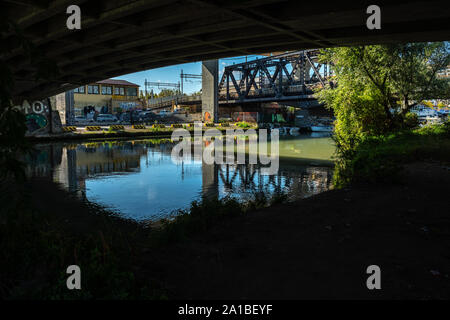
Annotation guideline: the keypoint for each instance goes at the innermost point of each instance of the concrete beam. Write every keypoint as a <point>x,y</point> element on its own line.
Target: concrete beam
<point>210,90</point>
<point>122,36</point>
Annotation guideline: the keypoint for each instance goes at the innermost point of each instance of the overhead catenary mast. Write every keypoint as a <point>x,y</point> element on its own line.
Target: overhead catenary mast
<point>161,85</point>
<point>188,76</point>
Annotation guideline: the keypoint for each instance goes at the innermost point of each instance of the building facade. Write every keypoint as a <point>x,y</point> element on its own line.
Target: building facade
<point>444,73</point>
<point>106,96</point>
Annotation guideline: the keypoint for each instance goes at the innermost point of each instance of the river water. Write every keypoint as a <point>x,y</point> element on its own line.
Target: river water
<point>139,180</point>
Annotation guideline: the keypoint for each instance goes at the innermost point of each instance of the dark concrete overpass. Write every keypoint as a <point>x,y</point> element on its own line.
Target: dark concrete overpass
<point>124,36</point>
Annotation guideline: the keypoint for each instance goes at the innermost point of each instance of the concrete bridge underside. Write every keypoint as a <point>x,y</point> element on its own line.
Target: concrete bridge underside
<point>124,36</point>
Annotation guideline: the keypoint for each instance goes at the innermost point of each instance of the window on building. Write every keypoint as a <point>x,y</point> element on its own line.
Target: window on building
<point>119,91</point>
<point>106,90</point>
<point>131,91</point>
<point>93,89</point>
<point>79,90</point>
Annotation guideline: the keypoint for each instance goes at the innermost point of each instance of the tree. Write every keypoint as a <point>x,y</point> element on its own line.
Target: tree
<point>12,121</point>
<point>377,86</point>
<point>168,93</point>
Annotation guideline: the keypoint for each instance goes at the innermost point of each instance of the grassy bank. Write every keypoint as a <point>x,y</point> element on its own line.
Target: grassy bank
<point>40,238</point>
<point>37,245</point>
<point>126,134</point>
<point>380,158</point>
<point>43,232</point>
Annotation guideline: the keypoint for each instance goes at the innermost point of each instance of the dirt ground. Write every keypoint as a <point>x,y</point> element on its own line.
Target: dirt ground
<point>316,248</point>
<point>319,248</point>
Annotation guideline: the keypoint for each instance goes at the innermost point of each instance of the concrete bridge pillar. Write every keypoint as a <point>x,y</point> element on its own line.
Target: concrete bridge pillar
<point>210,181</point>
<point>210,90</point>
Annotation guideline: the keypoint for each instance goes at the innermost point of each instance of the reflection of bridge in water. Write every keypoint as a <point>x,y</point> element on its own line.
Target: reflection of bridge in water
<point>247,179</point>
<point>73,165</point>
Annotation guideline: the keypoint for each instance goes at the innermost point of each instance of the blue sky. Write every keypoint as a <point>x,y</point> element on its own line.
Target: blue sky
<point>172,74</point>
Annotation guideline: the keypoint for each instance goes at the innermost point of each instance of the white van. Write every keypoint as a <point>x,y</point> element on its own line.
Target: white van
<point>106,118</point>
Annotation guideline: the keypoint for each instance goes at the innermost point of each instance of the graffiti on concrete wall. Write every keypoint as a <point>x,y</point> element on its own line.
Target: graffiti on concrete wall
<point>36,115</point>
<point>128,105</point>
<point>36,122</point>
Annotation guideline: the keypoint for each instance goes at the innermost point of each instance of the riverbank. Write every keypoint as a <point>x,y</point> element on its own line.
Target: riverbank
<point>102,135</point>
<point>127,133</point>
<point>318,247</point>
<point>315,248</point>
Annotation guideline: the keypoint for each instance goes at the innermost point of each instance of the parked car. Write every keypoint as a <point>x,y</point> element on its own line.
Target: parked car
<point>126,116</point>
<point>164,113</point>
<point>80,119</point>
<point>105,117</point>
<point>147,116</point>
<point>424,111</point>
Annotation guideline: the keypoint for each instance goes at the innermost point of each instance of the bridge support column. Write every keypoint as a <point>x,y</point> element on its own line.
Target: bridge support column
<point>210,181</point>
<point>210,90</point>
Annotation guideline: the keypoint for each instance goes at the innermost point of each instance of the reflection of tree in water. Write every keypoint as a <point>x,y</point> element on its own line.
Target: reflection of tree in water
<point>83,162</point>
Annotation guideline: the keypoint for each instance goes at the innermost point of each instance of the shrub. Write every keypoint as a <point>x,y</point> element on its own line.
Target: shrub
<point>380,158</point>
<point>411,120</point>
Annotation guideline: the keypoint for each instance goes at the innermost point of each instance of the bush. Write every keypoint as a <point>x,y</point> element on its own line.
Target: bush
<point>201,216</point>
<point>380,158</point>
<point>411,120</point>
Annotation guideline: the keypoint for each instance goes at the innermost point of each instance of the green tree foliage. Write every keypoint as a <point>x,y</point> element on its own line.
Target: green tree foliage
<point>168,93</point>
<point>374,87</point>
<point>12,121</point>
<point>377,86</point>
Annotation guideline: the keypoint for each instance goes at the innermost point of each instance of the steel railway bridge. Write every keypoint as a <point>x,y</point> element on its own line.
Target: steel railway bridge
<point>285,77</point>
<point>288,77</point>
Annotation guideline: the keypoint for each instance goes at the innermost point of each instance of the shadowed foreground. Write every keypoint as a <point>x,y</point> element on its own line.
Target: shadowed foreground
<point>320,247</point>
<point>311,249</point>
